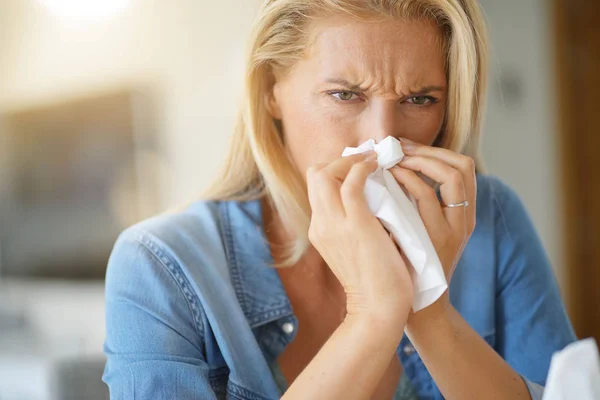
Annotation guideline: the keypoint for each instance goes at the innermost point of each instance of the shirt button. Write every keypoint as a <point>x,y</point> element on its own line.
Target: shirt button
<point>408,349</point>
<point>288,327</point>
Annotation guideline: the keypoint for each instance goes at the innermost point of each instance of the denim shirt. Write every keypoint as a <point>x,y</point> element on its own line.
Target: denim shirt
<point>195,310</point>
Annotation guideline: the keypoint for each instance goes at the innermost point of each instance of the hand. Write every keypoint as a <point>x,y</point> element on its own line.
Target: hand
<point>448,228</point>
<point>353,243</point>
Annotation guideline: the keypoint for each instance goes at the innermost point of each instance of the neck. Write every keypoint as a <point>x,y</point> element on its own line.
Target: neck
<point>311,264</point>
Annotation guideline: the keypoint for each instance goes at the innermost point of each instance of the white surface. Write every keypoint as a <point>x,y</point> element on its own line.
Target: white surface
<point>400,217</point>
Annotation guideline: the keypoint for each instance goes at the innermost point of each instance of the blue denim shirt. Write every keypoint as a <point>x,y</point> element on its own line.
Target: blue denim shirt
<point>194,309</point>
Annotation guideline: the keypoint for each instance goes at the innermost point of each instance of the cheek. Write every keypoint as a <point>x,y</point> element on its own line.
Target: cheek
<point>423,127</point>
<point>313,134</point>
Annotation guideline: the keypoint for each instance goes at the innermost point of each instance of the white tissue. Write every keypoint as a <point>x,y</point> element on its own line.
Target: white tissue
<point>400,217</point>
<point>574,373</point>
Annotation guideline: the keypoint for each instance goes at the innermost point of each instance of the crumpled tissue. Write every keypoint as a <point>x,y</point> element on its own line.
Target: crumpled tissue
<point>574,373</point>
<point>399,215</point>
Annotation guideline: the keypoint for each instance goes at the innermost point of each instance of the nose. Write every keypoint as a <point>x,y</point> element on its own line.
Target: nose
<point>381,120</point>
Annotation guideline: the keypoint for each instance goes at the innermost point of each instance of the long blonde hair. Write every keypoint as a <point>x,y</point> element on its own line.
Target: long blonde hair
<point>257,164</point>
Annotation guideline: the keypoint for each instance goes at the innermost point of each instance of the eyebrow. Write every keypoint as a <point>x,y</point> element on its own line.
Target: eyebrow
<point>356,88</point>
<point>348,85</point>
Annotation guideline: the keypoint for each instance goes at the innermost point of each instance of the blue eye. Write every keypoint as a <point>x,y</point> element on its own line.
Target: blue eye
<point>422,100</point>
<point>344,95</point>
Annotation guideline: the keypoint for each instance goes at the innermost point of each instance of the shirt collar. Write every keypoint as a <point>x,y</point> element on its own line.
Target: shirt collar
<point>257,285</point>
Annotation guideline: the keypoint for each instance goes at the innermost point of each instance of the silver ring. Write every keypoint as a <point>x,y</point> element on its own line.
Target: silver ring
<point>463,204</point>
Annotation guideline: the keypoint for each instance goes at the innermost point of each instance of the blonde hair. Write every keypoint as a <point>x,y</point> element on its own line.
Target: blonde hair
<point>258,165</point>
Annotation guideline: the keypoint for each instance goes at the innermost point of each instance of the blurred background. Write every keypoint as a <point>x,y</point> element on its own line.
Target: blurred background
<point>115,110</point>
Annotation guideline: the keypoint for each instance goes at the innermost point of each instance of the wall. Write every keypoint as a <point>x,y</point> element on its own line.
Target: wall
<point>156,44</point>
<point>520,142</point>
<point>165,45</point>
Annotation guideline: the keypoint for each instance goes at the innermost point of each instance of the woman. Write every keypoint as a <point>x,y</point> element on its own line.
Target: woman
<point>285,284</point>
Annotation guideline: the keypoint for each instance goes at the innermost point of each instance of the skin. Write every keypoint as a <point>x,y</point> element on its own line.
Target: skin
<point>351,291</point>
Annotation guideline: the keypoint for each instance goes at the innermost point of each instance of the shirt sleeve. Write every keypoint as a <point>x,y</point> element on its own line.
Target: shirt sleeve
<point>536,392</point>
<point>530,317</point>
<point>154,342</point>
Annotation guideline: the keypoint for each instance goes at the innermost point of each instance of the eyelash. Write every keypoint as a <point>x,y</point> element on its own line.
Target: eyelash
<point>432,100</point>
<point>333,93</point>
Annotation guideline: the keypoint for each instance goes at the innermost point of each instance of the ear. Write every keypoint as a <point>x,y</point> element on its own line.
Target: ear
<point>272,101</point>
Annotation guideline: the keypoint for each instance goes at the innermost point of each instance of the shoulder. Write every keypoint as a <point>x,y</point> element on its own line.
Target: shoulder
<point>167,262</point>
<point>192,244</point>
<point>168,252</point>
<point>192,237</point>
<point>493,194</point>
<point>481,259</point>
<point>499,205</point>
<point>195,222</point>
<point>168,236</point>
<point>503,233</point>
<point>520,260</point>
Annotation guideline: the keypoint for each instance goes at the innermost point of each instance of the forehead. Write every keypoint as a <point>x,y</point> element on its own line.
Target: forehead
<point>383,50</point>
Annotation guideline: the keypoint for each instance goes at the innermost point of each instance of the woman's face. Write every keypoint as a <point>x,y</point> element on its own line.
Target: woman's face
<point>361,80</point>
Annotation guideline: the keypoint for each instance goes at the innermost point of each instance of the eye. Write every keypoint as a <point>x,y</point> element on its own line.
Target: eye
<point>344,95</point>
<point>422,100</point>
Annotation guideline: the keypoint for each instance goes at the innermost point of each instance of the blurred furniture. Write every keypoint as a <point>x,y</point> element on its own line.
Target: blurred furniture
<point>73,174</point>
<point>43,376</point>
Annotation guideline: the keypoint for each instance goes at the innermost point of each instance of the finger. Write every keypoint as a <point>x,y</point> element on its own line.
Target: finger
<point>429,206</point>
<point>323,193</point>
<point>353,188</point>
<point>324,181</point>
<point>339,168</point>
<point>463,163</point>
<point>457,160</point>
<point>451,186</point>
